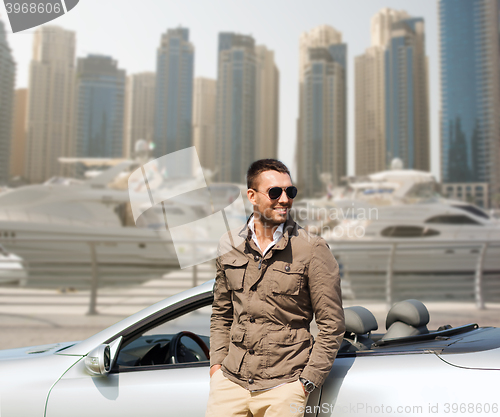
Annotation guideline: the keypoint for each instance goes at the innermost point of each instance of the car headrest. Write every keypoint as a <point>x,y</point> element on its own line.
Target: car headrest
<point>359,320</point>
<point>412,312</point>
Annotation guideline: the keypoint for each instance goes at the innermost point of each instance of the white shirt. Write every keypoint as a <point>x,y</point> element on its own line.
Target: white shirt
<point>276,235</point>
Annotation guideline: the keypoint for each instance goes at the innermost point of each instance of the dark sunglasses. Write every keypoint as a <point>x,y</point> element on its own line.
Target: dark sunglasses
<point>275,192</point>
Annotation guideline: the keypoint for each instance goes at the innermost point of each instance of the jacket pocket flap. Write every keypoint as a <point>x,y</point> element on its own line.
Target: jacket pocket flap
<point>236,262</point>
<point>234,278</point>
<point>289,336</point>
<point>289,268</point>
<point>237,335</point>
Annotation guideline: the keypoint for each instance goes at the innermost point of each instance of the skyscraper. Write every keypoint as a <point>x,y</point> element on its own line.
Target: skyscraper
<point>18,144</point>
<point>174,92</point>
<point>322,126</point>
<point>236,107</point>
<point>205,95</point>
<point>7,82</point>
<point>139,110</point>
<point>100,110</point>
<point>470,93</point>
<point>51,102</point>
<point>392,108</point>
<point>267,102</point>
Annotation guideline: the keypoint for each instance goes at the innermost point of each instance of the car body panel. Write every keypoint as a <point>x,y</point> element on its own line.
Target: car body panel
<point>171,391</point>
<point>488,359</point>
<point>368,386</point>
<point>34,351</point>
<point>25,382</point>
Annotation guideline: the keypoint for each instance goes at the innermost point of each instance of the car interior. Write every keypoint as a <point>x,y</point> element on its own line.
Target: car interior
<point>185,340</point>
<point>406,322</point>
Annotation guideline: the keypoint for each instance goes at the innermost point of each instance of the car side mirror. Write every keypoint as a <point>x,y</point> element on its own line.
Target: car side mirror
<point>98,361</point>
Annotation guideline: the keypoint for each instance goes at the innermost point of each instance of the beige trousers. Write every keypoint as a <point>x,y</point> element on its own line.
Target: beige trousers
<point>228,399</point>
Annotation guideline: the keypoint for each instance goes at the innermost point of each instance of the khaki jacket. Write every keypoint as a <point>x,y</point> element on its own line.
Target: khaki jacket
<point>262,309</point>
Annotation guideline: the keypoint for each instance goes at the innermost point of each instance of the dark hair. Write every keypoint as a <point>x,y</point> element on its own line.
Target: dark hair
<point>262,165</point>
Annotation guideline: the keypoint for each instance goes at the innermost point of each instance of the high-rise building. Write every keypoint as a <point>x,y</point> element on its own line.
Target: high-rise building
<point>267,102</point>
<point>392,104</point>
<point>205,95</point>
<point>370,153</point>
<point>51,102</point>
<point>139,110</point>
<point>470,93</point>
<point>18,144</point>
<point>7,83</point>
<point>322,126</point>
<point>174,93</point>
<point>236,107</point>
<point>100,109</point>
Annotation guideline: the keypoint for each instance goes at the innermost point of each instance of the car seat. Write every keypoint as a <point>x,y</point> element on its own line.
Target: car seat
<point>406,318</point>
<point>359,323</point>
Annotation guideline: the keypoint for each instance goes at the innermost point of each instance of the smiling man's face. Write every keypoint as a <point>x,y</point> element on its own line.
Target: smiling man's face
<point>270,212</point>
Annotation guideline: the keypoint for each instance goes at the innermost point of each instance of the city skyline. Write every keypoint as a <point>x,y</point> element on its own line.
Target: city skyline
<point>173,122</point>
<point>135,55</point>
<point>51,103</point>
<point>235,126</point>
<point>470,67</point>
<point>321,136</point>
<point>100,90</point>
<point>7,102</point>
<point>392,111</point>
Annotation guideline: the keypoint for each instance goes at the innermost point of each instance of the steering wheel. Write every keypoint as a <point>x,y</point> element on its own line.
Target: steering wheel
<point>178,353</point>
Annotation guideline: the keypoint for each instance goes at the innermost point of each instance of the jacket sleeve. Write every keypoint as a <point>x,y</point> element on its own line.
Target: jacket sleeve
<point>222,317</point>
<point>326,299</point>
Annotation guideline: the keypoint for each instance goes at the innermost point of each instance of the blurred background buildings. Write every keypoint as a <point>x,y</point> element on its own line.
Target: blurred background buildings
<point>50,116</point>
<point>100,107</point>
<point>174,92</point>
<point>322,125</point>
<point>7,100</point>
<point>204,104</point>
<point>470,96</point>
<point>392,108</point>
<point>88,107</point>
<point>139,110</point>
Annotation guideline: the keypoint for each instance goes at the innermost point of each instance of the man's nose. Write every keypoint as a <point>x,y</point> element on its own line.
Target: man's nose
<point>284,199</point>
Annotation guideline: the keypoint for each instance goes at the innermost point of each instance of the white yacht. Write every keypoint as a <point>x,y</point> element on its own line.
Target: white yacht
<point>433,235</point>
<point>11,268</point>
<point>51,223</point>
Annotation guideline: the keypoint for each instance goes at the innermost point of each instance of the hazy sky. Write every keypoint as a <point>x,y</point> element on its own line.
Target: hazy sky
<point>130,30</point>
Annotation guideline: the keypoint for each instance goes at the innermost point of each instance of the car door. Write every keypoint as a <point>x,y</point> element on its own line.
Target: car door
<point>176,391</point>
<point>139,384</point>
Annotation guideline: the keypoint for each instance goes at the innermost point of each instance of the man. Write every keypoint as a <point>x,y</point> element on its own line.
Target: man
<point>267,289</point>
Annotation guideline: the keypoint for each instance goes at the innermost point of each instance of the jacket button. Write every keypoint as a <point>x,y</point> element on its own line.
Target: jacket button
<point>256,258</point>
<point>287,268</point>
<point>251,351</point>
<point>252,320</point>
<point>250,381</point>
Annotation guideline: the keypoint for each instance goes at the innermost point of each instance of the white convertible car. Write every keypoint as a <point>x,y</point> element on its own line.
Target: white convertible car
<point>155,363</point>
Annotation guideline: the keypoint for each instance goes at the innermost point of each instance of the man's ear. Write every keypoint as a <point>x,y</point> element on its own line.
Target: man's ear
<point>251,194</point>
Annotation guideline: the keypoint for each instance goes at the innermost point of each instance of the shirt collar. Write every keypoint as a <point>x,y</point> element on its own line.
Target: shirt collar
<point>277,233</point>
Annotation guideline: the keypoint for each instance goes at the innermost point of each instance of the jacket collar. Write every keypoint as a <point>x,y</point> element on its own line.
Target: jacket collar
<point>289,229</point>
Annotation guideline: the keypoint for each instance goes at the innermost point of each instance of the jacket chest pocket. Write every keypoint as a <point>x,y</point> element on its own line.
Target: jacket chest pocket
<point>235,273</point>
<point>287,279</point>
